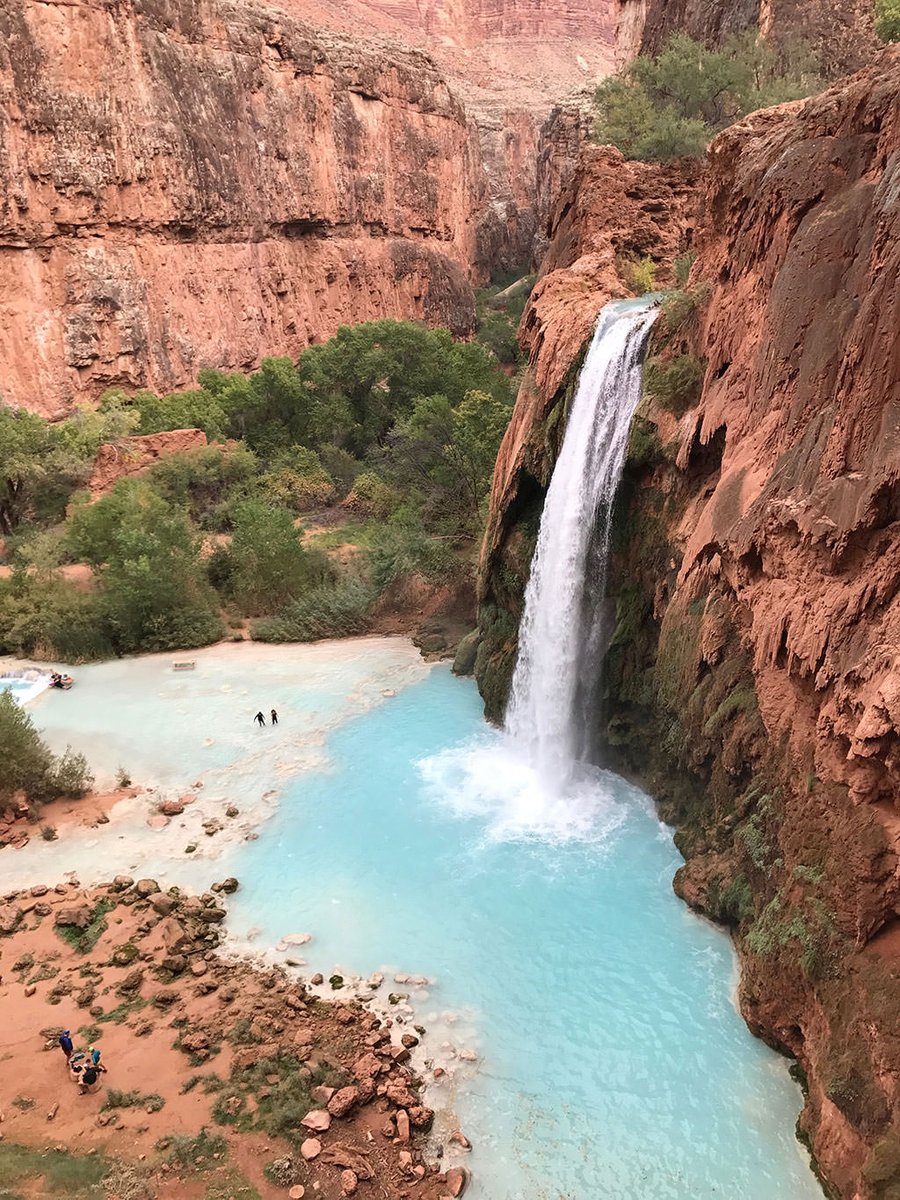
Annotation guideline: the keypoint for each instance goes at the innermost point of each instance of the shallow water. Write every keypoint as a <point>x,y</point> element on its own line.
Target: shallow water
<point>611,1061</point>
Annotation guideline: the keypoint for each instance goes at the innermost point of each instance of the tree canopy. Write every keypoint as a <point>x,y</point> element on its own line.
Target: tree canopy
<point>671,104</point>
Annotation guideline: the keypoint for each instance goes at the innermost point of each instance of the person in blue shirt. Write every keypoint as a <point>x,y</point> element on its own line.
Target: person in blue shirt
<point>65,1042</point>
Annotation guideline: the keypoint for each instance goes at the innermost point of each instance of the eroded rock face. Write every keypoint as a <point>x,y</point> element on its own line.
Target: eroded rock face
<point>200,185</point>
<point>754,675</point>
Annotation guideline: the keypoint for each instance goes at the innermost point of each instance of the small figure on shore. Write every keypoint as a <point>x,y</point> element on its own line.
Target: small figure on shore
<point>260,719</point>
<point>65,1043</point>
<point>274,717</point>
<point>94,1055</point>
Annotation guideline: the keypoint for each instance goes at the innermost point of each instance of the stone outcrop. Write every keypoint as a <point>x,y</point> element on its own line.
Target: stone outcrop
<point>611,214</point>
<point>753,675</point>
<point>194,185</point>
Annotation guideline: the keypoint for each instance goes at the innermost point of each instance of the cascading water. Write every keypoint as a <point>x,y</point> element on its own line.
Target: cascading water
<point>560,639</point>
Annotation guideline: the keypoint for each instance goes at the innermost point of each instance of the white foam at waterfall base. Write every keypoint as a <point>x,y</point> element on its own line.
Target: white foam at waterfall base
<point>561,636</point>
<point>490,782</point>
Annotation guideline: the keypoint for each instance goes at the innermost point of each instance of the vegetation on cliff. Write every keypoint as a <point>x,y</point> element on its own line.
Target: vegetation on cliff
<point>671,104</point>
<point>389,425</point>
<point>887,20</point>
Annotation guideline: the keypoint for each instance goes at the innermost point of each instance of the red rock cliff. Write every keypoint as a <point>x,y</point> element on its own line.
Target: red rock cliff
<point>199,182</point>
<point>754,673</point>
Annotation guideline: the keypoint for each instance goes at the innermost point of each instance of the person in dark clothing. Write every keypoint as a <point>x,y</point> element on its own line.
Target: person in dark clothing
<point>260,719</point>
<point>65,1042</point>
<point>274,717</point>
<point>90,1075</point>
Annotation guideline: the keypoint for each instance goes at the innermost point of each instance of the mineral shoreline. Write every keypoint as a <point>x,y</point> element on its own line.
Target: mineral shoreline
<point>311,1096</point>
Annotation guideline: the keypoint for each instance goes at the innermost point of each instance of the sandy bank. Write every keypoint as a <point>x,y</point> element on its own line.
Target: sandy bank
<point>193,1040</point>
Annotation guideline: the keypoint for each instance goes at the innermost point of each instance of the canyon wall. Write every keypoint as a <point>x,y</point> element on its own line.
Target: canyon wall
<point>753,674</point>
<point>191,183</point>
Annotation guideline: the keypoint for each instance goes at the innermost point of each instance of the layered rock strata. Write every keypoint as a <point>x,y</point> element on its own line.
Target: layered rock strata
<point>189,185</point>
<point>753,674</point>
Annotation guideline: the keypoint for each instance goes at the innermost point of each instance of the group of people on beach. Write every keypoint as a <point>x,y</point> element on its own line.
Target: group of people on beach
<point>60,681</point>
<point>260,718</point>
<point>84,1066</point>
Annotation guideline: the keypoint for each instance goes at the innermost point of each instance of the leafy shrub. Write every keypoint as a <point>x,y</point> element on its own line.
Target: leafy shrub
<point>675,384</point>
<point>670,105</point>
<point>679,306</point>
<point>887,20</point>
<point>27,764</point>
<point>150,1102</point>
<point>332,610</point>
<point>298,480</point>
<point>682,268</point>
<point>640,275</point>
<point>195,1153</point>
<point>268,567</point>
<point>371,496</point>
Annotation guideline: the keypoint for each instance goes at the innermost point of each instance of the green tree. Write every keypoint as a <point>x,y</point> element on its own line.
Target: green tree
<point>447,455</point>
<point>28,765</point>
<point>670,105</point>
<point>367,376</point>
<point>207,482</point>
<point>269,566</point>
<point>153,592</point>
<point>887,20</point>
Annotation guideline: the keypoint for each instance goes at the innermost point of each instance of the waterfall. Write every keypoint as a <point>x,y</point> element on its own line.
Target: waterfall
<point>560,640</point>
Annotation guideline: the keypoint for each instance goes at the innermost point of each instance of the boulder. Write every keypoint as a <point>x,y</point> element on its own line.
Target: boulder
<point>322,1094</point>
<point>402,1126</point>
<point>172,807</point>
<point>146,888</point>
<point>297,1192</point>
<point>464,659</point>
<point>343,1101</point>
<point>77,916</point>
<point>317,1120</point>
<point>421,1116</point>
<point>367,1066</point>
<point>229,885</point>
<point>457,1178</point>
<point>458,1138</point>
<point>10,919</point>
<point>311,1148</point>
<point>162,904</point>
<point>122,883</point>
<point>349,1182</point>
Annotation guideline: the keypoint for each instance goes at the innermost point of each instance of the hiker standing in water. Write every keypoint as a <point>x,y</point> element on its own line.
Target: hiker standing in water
<point>274,717</point>
<point>260,719</point>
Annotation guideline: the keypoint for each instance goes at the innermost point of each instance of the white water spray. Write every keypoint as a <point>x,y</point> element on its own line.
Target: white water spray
<point>560,639</point>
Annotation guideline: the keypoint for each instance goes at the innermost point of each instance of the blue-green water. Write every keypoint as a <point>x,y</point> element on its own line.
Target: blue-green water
<point>610,1059</point>
<point>613,1061</point>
